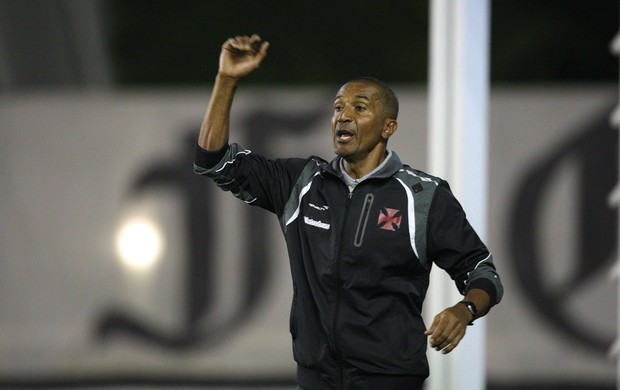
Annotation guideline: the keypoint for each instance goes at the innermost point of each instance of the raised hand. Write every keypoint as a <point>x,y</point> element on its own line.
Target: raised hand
<point>241,55</point>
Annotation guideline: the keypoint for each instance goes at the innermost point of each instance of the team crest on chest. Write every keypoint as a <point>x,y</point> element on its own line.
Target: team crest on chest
<point>389,219</point>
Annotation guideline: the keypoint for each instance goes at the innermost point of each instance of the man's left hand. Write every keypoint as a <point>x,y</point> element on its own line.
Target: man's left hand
<point>448,328</point>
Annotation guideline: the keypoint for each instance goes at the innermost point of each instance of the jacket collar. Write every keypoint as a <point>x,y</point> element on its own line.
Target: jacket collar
<point>392,166</point>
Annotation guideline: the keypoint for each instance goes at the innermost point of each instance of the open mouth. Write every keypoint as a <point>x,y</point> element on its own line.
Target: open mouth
<point>343,135</point>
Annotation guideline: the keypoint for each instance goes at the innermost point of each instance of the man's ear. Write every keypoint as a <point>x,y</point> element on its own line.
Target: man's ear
<point>389,128</point>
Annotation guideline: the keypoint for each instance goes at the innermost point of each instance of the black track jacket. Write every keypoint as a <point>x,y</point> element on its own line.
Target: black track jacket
<point>360,260</point>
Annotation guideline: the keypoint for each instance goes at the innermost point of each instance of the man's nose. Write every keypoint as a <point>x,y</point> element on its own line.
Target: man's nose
<point>344,115</point>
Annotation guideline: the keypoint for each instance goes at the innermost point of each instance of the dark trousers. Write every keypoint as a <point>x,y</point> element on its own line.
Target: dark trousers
<point>353,378</point>
<point>420,387</point>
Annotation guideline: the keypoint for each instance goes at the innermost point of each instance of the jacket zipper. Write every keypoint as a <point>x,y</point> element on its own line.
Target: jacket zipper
<point>363,221</point>
<point>338,289</point>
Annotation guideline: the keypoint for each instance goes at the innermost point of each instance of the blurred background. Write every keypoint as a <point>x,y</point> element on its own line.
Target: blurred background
<point>121,269</point>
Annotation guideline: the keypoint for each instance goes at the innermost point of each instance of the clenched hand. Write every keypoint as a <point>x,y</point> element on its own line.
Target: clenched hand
<point>241,55</point>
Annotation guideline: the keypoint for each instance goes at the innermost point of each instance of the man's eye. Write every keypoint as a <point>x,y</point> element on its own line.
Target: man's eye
<point>360,108</point>
<point>337,108</point>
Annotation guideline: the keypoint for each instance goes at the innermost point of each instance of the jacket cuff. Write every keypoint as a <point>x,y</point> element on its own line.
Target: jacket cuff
<point>487,286</point>
<point>208,159</point>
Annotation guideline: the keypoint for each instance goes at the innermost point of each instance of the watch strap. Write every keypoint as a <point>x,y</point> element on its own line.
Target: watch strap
<point>472,309</point>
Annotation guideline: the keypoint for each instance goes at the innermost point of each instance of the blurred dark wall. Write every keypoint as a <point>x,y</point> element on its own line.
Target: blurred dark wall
<point>162,42</point>
<point>325,41</point>
<point>312,42</point>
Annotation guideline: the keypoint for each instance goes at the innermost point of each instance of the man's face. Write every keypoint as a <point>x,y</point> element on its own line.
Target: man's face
<point>358,122</point>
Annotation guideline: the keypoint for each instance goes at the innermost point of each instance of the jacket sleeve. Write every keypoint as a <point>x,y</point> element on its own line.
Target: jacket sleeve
<point>249,176</point>
<point>455,247</point>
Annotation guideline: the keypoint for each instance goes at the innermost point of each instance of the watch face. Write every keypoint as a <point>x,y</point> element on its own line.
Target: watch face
<point>470,305</point>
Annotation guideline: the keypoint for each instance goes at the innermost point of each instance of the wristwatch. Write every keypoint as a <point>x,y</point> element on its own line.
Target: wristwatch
<point>472,309</point>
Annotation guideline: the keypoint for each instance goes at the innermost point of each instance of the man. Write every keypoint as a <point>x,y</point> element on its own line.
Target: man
<point>362,232</point>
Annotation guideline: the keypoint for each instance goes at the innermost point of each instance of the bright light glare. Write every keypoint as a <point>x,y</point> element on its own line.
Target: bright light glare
<point>139,244</point>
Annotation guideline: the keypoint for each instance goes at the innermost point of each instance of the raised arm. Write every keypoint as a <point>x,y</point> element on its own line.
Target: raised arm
<point>239,57</point>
